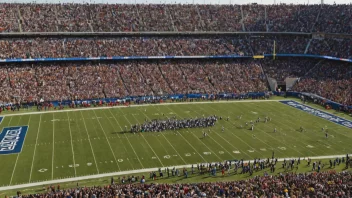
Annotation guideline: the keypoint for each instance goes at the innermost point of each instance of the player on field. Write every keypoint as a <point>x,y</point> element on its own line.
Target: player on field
<point>275,130</point>
<point>223,128</point>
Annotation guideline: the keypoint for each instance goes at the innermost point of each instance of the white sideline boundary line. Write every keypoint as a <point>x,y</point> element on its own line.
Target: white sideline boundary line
<point>137,105</point>
<point>74,179</point>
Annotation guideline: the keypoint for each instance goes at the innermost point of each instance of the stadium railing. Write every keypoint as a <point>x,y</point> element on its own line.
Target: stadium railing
<point>167,57</point>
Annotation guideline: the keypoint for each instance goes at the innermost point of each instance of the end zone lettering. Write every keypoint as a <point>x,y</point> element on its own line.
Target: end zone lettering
<point>12,139</point>
<point>1,118</point>
<point>321,114</point>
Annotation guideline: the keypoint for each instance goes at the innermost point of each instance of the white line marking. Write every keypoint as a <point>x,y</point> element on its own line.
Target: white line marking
<point>215,140</point>
<point>43,183</point>
<point>18,155</point>
<point>90,143</point>
<point>108,141</point>
<point>295,137</point>
<point>13,172</point>
<point>162,104</point>
<point>147,141</point>
<point>118,136</point>
<point>258,128</point>
<point>246,143</point>
<point>202,141</point>
<point>73,153</point>
<point>52,160</point>
<point>127,139</point>
<point>168,142</point>
<point>35,148</point>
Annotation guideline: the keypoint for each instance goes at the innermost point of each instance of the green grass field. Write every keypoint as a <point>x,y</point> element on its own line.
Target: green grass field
<point>77,143</point>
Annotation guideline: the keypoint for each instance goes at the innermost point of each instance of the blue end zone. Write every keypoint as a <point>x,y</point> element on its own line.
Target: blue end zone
<point>12,139</point>
<point>321,114</point>
<point>1,118</point>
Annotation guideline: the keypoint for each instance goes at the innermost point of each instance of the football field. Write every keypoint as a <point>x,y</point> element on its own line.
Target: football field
<point>87,142</point>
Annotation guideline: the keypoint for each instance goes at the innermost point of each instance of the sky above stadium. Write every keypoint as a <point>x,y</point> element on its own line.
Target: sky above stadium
<point>184,1</point>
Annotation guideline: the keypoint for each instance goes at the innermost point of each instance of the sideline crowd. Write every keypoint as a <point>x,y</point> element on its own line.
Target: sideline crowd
<point>318,183</point>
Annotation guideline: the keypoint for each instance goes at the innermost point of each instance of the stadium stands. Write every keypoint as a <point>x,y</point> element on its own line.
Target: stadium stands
<point>67,81</point>
<point>284,68</point>
<point>118,79</point>
<point>60,81</point>
<point>331,80</point>
<point>136,18</point>
<point>171,46</point>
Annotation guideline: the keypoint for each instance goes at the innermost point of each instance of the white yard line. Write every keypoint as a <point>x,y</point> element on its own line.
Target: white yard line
<point>230,122</point>
<point>18,155</point>
<point>232,144</point>
<point>197,137</point>
<point>73,153</point>
<point>126,138</point>
<point>142,105</point>
<point>35,148</point>
<point>147,142</point>
<point>75,179</point>
<point>167,141</point>
<point>118,137</point>
<point>191,145</point>
<point>90,143</point>
<point>112,151</point>
<point>293,129</point>
<point>52,158</point>
<point>14,168</point>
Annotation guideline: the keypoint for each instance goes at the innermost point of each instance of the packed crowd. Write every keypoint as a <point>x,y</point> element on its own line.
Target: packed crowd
<point>69,81</point>
<point>174,124</point>
<point>283,68</point>
<point>329,79</point>
<point>322,184</point>
<point>133,46</point>
<point>90,80</point>
<point>341,48</point>
<point>171,46</point>
<point>174,17</point>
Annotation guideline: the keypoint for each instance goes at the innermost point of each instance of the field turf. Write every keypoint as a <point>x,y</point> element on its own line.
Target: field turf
<point>76,143</point>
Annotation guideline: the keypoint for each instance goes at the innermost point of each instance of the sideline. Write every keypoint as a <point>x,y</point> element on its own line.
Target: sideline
<point>136,105</point>
<point>74,179</point>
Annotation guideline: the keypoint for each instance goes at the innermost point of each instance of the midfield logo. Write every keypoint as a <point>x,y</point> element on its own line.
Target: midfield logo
<point>12,139</point>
